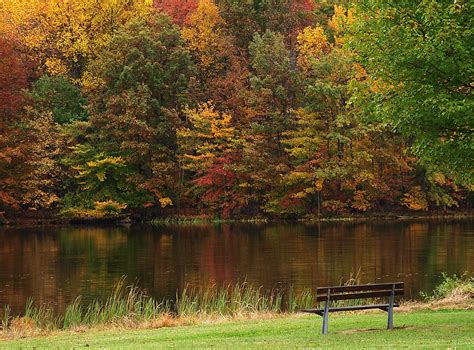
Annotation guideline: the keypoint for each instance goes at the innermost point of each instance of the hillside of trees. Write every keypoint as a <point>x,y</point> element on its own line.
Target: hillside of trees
<point>234,108</point>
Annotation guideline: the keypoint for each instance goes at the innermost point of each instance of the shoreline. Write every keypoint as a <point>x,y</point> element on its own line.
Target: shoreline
<point>201,219</point>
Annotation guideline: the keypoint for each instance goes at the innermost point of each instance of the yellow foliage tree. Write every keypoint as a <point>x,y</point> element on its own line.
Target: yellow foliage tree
<point>415,199</point>
<point>210,134</point>
<point>312,44</point>
<point>340,22</point>
<point>205,37</point>
<point>64,33</point>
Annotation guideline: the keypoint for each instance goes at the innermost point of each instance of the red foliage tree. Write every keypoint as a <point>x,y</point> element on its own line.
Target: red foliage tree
<point>302,6</point>
<point>14,73</point>
<point>178,10</point>
<point>220,184</point>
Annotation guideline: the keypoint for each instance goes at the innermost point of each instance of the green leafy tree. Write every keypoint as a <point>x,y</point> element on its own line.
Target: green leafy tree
<point>270,97</point>
<point>420,55</point>
<point>60,97</point>
<point>101,183</point>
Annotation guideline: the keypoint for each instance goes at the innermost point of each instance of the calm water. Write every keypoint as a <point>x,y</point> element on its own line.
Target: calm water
<point>56,264</point>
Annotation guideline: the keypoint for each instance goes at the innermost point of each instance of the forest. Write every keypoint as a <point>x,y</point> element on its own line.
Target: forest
<point>235,108</point>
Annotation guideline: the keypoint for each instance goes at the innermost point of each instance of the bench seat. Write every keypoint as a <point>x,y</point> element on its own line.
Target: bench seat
<point>320,312</point>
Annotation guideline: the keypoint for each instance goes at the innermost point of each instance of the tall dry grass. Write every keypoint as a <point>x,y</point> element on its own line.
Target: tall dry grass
<point>130,307</point>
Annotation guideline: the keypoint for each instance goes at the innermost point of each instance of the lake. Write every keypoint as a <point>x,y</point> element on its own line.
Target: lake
<point>56,264</point>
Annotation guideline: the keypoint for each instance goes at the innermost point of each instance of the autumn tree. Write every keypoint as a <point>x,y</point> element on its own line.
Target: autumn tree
<point>234,107</point>
<point>222,68</point>
<point>100,183</point>
<point>29,144</point>
<point>15,71</point>
<point>271,96</point>
<point>43,183</point>
<point>204,35</point>
<point>65,34</point>
<point>312,44</point>
<point>322,141</point>
<point>336,159</point>
<point>249,17</point>
<point>208,136</point>
<point>270,82</point>
<point>140,82</point>
<point>14,141</point>
<point>210,46</point>
<point>208,145</point>
<point>178,10</point>
<point>53,104</point>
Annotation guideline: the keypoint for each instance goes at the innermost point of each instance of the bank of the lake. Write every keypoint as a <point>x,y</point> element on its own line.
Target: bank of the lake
<point>53,217</point>
<point>415,329</point>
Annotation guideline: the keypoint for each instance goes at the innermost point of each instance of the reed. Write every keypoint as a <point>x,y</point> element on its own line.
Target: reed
<point>129,306</point>
<point>43,317</point>
<point>73,315</point>
<point>300,301</point>
<point>124,304</point>
<point>241,298</point>
<point>6,317</point>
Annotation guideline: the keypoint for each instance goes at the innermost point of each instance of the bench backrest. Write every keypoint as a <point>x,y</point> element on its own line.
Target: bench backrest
<point>377,290</point>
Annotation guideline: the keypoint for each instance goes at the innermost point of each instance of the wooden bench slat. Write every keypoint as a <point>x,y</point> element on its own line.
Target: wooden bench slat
<point>360,295</point>
<point>350,308</point>
<point>360,288</point>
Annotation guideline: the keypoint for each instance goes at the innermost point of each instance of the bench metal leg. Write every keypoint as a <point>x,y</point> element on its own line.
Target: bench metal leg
<point>390,318</point>
<point>390,309</point>
<point>326,317</point>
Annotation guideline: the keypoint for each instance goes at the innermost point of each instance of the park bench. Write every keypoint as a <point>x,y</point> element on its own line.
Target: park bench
<point>367,291</point>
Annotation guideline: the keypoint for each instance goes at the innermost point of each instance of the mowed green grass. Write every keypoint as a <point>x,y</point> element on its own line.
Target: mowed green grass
<point>421,329</point>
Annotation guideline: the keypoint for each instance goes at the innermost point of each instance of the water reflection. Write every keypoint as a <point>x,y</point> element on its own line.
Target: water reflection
<point>55,264</point>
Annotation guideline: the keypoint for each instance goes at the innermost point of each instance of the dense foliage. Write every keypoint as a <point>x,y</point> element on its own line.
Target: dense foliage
<point>422,55</point>
<point>227,108</point>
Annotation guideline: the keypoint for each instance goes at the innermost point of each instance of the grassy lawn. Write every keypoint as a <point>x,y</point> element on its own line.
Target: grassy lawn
<point>421,329</point>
